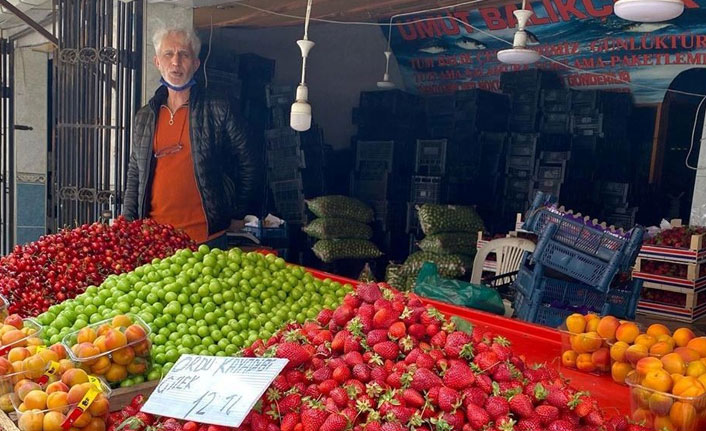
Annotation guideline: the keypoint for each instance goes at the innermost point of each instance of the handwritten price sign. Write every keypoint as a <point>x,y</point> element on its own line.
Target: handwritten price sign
<point>213,390</point>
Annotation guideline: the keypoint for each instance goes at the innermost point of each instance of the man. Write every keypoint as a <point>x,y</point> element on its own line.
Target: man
<point>191,164</point>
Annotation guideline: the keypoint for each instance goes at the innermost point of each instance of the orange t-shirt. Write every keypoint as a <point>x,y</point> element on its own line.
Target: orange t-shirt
<point>175,195</point>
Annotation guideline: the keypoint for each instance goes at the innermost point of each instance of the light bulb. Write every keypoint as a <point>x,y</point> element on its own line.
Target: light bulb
<point>518,56</point>
<point>648,10</point>
<point>300,116</point>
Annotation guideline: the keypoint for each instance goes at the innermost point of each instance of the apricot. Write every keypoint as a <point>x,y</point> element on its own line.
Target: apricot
<point>673,363</point>
<point>76,393</point>
<point>648,364</point>
<point>64,366</point>
<point>698,344</point>
<point>634,353</point>
<point>121,321</point>
<point>34,366</point>
<point>568,358</point>
<point>658,379</point>
<point>135,333</point>
<point>682,336</point>
<point>617,351</point>
<point>96,424</point>
<point>576,323</point>
<point>100,343</point>
<point>688,387</point>
<point>646,340</point>
<point>83,420</point>
<point>36,399</point>
<point>5,366</point>
<point>139,365</point>
<point>99,406</point>
<point>18,354</point>
<point>103,329</point>
<point>627,332</point>
<point>702,380</point>
<point>101,366</point>
<point>657,329</point>
<point>601,359</point>
<point>584,363</point>
<point>664,423</point>
<point>74,376</point>
<point>695,369</point>
<point>14,320</point>
<point>56,387</point>
<point>116,373</point>
<point>643,415</point>
<point>660,349</point>
<point>607,326</point>
<point>24,387</point>
<point>592,322</point>
<point>88,353</point>
<point>687,354</point>
<point>53,421</point>
<point>58,401</point>
<point>143,347</point>
<point>49,355</point>
<point>14,336</point>
<point>619,371</point>
<point>6,403</point>
<point>86,335</point>
<point>683,415</point>
<point>60,350</point>
<point>667,339</point>
<point>660,404</point>
<point>123,356</point>
<point>114,339</point>
<point>31,420</point>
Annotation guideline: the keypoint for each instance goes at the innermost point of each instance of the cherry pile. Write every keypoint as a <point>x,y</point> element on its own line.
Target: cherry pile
<point>383,361</point>
<point>60,266</point>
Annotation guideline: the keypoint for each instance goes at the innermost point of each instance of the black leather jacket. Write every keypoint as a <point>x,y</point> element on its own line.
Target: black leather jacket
<point>227,163</point>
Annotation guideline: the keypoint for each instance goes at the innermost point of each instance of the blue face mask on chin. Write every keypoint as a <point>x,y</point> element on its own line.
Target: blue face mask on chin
<point>186,86</point>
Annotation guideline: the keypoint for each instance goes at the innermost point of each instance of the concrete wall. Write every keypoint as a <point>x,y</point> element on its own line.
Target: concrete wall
<point>345,61</point>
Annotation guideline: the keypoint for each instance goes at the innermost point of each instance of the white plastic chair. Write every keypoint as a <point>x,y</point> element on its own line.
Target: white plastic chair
<point>509,253</point>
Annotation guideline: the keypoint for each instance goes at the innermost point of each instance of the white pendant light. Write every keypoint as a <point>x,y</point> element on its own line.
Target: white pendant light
<point>300,115</point>
<point>519,54</point>
<point>648,10</point>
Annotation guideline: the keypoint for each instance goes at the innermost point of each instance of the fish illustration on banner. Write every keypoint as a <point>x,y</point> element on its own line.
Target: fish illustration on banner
<point>591,48</point>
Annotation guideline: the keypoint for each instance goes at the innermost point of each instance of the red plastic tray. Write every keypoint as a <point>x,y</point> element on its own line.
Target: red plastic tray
<point>538,344</point>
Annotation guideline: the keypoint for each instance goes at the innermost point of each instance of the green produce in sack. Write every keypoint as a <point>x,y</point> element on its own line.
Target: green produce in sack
<point>431,285</point>
<point>394,277</point>
<point>366,275</point>
<point>434,218</point>
<point>337,228</point>
<point>450,265</point>
<point>450,243</point>
<point>330,250</point>
<point>341,207</point>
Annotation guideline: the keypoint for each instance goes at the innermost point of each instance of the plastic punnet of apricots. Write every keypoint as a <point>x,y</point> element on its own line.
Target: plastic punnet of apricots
<point>47,410</point>
<point>680,406</point>
<point>582,348</point>
<point>112,349</point>
<point>18,332</point>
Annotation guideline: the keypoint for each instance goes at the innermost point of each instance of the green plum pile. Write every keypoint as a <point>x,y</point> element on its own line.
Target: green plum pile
<point>209,302</point>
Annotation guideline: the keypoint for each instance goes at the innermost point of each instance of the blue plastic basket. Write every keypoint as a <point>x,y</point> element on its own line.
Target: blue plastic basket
<point>583,236</point>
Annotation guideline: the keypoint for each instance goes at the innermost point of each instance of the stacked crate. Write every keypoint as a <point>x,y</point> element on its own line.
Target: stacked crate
<point>616,208</point>
<point>284,163</point>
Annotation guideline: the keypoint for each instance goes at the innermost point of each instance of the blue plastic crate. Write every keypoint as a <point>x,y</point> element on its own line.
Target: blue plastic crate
<point>581,235</point>
<point>575,264</point>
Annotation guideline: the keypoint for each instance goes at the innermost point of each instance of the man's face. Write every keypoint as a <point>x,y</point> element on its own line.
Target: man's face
<point>176,60</point>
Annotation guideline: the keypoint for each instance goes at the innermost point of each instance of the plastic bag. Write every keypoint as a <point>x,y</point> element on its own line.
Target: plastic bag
<point>450,243</point>
<point>330,250</point>
<point>341,207</point>
<point>431,285</point>
<point>337,228</point>
<point>450,265</point>
<point>434,218</point>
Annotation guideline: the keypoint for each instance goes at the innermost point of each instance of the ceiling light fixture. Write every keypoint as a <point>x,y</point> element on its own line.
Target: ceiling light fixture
<point>648,10</point>
<point>300,116</point>
<point>519,54</point>
<point>386,83</point>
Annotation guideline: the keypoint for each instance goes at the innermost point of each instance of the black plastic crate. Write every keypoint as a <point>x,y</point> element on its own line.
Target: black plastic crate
<point>518,172</point>
<point>431,157</point>
<point>280,138</point>
<point>523,108</point>
<point>554,122</point>
<point>287,190</point>
<point>556,96</point>
<point>279,116</point>
<point>375,152</point>
<point>554,142</point>
<point>279,95</point>
<point>585,99</point>
<point>545,172</point>
<point>553,187</point>
<point>440,105</point>
<point>490,138</point>
<point>520,162</point>
<point>284,173</point>
<point>293,211</point>
<point>388,214</point>
<point>614,189</point>
<point>523,123</point>
<point>412,224</point>
<point>254,66</point>
<point>285,157</point>
<point>395,102</point>
<point>426,189</point>
<point>554,156</point>
<point>372,171</point>
<point>369,189</point>
<point>524,79</point>
<point>517,185</point>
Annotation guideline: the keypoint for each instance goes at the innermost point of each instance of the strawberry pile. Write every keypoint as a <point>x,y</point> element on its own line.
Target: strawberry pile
<point>383,361</point>
<point>130,418</point>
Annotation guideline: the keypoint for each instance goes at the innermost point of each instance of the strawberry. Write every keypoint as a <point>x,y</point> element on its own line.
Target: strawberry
<point>425,361</point>
<point>352,344</point>
<point>361,372</point>
<point>137,401</point>
<point>327,386</point>
<point>397,330</point>
<point>403,414</point>
<point>280,383</point>
<point>433,329</point>
<point>394,380</point>
<point>369,292</point>
<point>312,391</point>
<point>295,353</point>
<point>417,330</point>
<point>557,397</point>
<point>324,316</point>
<point>424,379</point>
<point>595,418</point>
<point>413,398</point>
<point>372,426</point>
<point>192,426</point>
<point>438,339</point>
<point>289,421</point>
<point>459,376</point>
<point>455,419</point>
<point>353,358</point>
<point>531,424</point>
<point>477,416</point>
<point>384,317</point>
<point>339,396</point>
<point>342,315</point>
<point>386,349</point>
<point>474,395</point>
<point>448,398</point>
<point>484,382</point>
<point>458,344</point>
<point>521,405</point>
<point>341,373</point>
<point>313,418</point>
<point>322,374</point>
<point>560,425</point>
<point>376,336</point>
<point>392,426</point>
<point>290,402</point>
<point>486,360</point>
<point>379,375</point>
<point>547,414</point>
<point>351,300</point>
<point>497,407</point>
<point>502,373</point>
<point>617,423</point>
<point>335,422</point>
<point>501,347</point>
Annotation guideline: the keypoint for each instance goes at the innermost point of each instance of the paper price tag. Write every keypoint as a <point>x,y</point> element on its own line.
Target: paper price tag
<point>83,405</point>
<point>213,390</point>
<point>53,368</point>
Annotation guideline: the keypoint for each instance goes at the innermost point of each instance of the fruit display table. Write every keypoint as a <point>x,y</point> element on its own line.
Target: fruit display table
<point>538,344</point>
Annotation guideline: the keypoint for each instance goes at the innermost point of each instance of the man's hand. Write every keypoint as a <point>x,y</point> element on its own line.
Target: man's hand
<point>236,225</point>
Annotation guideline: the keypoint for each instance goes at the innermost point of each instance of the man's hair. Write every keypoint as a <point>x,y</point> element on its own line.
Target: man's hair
<point>191,38</point>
